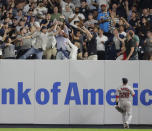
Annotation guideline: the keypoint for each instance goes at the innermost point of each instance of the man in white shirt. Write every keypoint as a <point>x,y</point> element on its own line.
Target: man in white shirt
<point>62,46</point>
<point>101,39</point>
<point>69,3</point>
<point>40,11</point>
<point>76,17</point>
<point>91,21</point>
<point>40,45</point>
<point>73,49</point>
<point>67,12</point>
<point>50,52</point>
<point>77,3</point>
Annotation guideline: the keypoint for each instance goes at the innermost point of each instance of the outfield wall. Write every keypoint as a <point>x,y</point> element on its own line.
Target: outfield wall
<point>58,92</point>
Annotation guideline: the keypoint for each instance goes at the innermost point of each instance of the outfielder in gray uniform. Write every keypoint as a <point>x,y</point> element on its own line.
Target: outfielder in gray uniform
<point>123,102</point>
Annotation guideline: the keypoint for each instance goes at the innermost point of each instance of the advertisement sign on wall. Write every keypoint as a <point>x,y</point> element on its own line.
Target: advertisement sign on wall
<point>72,92</point>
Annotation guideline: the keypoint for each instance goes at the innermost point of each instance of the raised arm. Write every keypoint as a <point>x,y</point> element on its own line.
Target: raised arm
<point>87,32</point>
<point>127,24</point>
<point>127,7</point>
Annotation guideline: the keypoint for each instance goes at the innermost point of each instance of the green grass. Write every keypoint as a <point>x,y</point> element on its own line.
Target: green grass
<point>68,129</point>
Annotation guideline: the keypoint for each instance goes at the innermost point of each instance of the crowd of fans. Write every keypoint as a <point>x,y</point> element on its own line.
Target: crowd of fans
<point>76,29</point>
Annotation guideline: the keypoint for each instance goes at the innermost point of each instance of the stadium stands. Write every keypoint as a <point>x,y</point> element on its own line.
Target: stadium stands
<point>76,29</point>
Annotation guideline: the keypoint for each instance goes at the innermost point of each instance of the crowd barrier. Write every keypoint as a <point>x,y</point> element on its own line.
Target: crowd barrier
<point>72,92</point>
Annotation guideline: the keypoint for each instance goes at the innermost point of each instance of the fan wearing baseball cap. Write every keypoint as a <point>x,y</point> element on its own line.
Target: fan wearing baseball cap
<point>104,18</point>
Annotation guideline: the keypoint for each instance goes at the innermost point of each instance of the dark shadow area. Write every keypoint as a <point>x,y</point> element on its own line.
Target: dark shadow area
<point>73,126</point>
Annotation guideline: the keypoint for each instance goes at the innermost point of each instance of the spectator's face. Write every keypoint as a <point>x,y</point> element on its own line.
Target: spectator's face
<point>121,22</point>
<point>24,30</point>
<point>10,15</point>
<point>78,34</point>
<point>83,4</point>
<point>20,13</point>
<point>7,20</point>
<point>25,18</point>
<point>33,5</point>
<point>44,2</point>
<point>41,5</point>
<point>9,40</point>
<point>100,32</point>
<point>144,20</point>
<point>56,10</point>
<point>76,10</point>
<point>67,8</point>
<point>33,29</point>
<point>103,8</point>
<point>115,32</point>
<point>44,31</point>
<point>22,23</point>
<point>20,5</point>
<point>90,17</point>
<point>61,33</point>
<point>95,14</point>
<point>30,12</point>
<point>6,26</point>
<point>114,6</point>
<point>145,11</point>
<point>48,16</point>
<point>121,28</point>
<point>133,15</point>
<point>15,21</point>
<point>128,34</point>
<point>10,11</point>
<point>95,29</point>
<point>32,19</point>
<point>134,8</point>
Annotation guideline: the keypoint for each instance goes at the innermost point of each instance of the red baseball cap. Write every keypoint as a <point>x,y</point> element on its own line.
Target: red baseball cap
<point>104,5</point>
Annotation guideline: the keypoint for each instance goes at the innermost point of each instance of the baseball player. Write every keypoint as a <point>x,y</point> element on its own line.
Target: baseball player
<point>123,102</point>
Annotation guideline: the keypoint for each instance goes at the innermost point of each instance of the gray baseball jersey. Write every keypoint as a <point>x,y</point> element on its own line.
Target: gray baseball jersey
<point>125,93</point>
